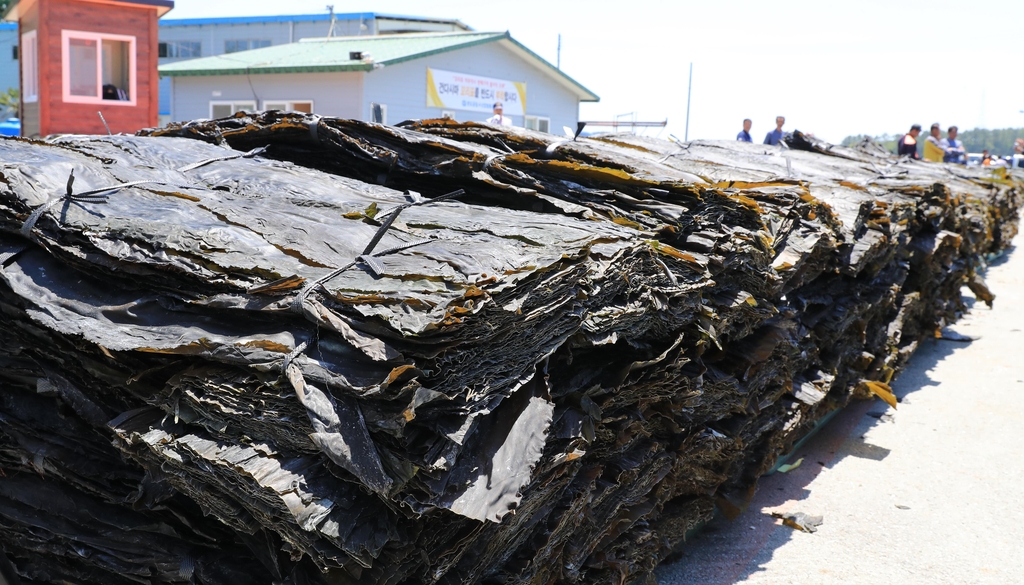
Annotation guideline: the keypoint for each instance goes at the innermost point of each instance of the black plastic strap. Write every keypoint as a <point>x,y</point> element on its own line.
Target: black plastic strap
<point>93,196</point>
<point>368,258</point>
<point>100,195</point>
<point>254,152</point>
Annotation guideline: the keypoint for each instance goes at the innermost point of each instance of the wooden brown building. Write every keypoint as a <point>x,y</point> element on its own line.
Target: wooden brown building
<point>81,57</point>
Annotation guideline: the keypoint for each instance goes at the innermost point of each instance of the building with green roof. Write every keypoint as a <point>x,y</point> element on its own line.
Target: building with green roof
<point>191,38</point>
<point>412,76</point>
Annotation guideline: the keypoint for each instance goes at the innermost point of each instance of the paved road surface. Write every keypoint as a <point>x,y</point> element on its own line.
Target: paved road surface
<point>933,496</point>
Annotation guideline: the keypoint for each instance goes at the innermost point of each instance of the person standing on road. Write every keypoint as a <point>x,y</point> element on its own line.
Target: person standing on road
<point>953,148</point>
<point>775,136</point>
<point>498,118</point>
<point>744,135</point>
<point>907,146</point>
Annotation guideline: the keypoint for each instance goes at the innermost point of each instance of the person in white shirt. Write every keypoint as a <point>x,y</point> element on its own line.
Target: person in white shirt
<point>498,118</point>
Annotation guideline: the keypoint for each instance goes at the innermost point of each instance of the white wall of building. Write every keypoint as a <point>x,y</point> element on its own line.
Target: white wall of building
<point>333,94</point>
<point>213,37</point>
<point>403,87</point>
<point>213,34</point>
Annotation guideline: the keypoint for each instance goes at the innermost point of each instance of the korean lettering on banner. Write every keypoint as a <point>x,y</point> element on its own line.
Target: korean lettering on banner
<point>459,91</point>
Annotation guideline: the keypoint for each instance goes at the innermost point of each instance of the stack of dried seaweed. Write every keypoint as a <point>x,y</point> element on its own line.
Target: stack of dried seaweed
<point>344,352</point>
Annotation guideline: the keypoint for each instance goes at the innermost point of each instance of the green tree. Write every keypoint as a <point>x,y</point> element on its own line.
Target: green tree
<point>9,102</point>
<point>888,141</point>
<point>855,139</point>
<point>997,141</point>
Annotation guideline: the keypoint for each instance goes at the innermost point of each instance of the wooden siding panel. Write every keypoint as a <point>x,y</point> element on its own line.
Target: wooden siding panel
<point>42,26</point>
<point>30,119</point>
<point>59,15</point>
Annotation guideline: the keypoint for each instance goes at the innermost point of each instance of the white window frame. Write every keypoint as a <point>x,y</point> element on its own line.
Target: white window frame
<point>533,123</point>
<point>29,56</point>
<point>233,103</point>
<point>289,104</point>
<point>65,67</point>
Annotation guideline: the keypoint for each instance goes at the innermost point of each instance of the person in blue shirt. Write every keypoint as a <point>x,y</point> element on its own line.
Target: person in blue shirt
<point>744,135</point>
<point>954,149</point>
<point>775,136</point>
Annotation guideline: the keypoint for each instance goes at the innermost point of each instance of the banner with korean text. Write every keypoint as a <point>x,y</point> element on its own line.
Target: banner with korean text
<point>459,91</point>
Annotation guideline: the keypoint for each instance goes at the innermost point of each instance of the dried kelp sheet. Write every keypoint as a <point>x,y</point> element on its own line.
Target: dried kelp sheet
<point>293,349</point>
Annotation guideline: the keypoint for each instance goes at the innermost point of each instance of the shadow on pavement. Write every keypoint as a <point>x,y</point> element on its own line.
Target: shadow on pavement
<point>725,552</point>
<point>1003,257</point>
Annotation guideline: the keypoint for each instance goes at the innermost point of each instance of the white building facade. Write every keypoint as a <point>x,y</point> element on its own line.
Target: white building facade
<point>191,38</point>
<point>343,76</point>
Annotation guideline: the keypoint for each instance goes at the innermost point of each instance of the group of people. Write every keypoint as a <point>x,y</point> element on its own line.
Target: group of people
<point>773,137</point>
<point>936,148</point>
<point>992,160</point>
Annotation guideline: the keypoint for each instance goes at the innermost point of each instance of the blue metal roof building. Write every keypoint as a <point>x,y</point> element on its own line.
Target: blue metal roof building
<point>385,21</point>
<point>190,38</point>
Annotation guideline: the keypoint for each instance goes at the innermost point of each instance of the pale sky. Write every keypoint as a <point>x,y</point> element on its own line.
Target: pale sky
<point>832,68</point>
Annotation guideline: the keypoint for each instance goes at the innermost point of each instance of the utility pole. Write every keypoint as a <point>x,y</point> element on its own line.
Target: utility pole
<point>559,65</point>
<point>689,87</point>
<point>330,31</point>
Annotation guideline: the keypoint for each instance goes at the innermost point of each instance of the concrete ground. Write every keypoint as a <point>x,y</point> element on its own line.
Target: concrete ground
<point>931,493</point>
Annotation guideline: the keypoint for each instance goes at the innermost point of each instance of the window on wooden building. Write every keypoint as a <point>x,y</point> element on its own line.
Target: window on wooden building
<point>304,106</point>
<point>236,45</point>
<point>29,67</point>
<point>224,109</point>
<point>98,68</point>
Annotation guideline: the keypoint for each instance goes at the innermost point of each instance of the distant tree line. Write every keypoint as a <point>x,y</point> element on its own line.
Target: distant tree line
<point>998,142</point>
<point>886,140</point>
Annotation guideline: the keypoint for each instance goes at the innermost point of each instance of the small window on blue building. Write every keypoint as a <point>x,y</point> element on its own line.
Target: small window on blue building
<point>237,45</point>
<point>180,50</point>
